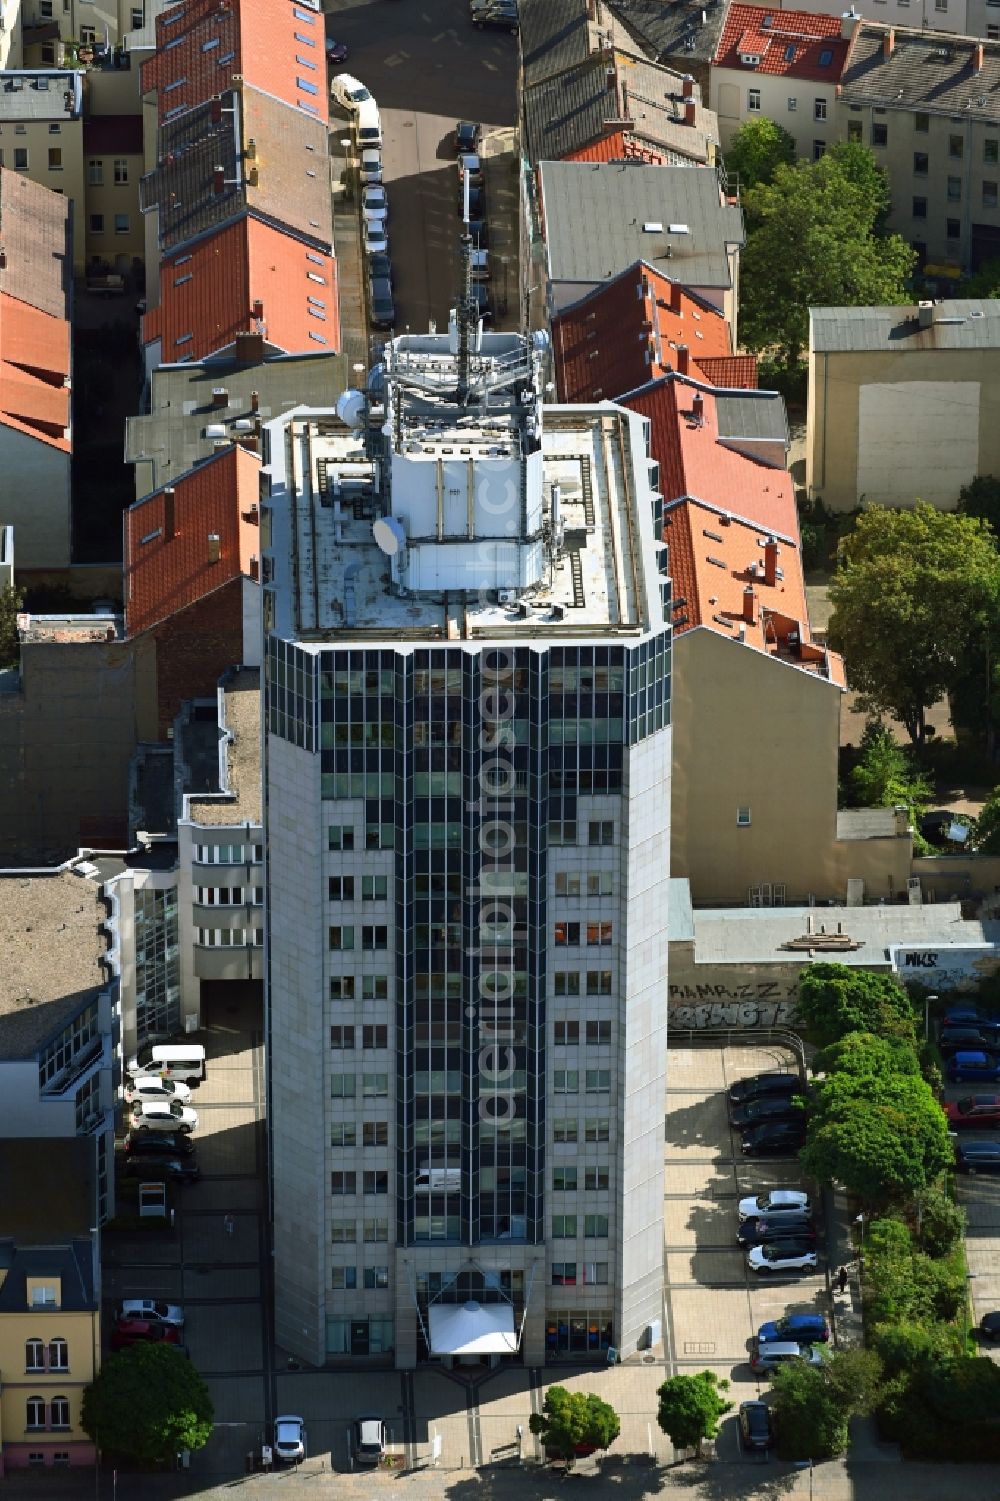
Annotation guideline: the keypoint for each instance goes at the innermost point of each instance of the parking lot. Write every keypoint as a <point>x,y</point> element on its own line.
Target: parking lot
<point>979,1196</point>
<point>427,66</point>
<point>714,1304</point>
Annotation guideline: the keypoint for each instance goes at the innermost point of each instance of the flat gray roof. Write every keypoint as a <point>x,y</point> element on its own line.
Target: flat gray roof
<point>959,323</point>
<point>595,212</point>
<point>241,700</point>
<point>53,955</point>
<point>754,935</point>
<point>40,94</point>
<point>171,439</point>
<point>752,414</point>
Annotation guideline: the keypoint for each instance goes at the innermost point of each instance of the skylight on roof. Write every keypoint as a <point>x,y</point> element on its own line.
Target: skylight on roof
<point>652,227</point>
<point>790,53</point>
<point>826,57</point>
<point>767,22</point>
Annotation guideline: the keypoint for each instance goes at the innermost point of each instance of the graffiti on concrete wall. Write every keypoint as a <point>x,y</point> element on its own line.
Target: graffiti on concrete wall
<point>762,1007</point>
<point>955,967</point>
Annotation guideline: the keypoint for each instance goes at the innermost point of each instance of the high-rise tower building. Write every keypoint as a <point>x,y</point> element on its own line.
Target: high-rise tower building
<point>466,807</point>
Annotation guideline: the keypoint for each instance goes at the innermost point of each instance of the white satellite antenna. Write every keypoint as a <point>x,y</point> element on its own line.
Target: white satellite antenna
<point>389,534</point>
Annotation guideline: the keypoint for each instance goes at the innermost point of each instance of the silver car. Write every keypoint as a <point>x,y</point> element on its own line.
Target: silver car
<point>153,1087</point>
<point>163,1115</point>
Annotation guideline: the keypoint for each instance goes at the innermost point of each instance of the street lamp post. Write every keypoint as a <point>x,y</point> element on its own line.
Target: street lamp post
<point>927,1016</point>
<point>859,1219</point>
<point>969,1277</point>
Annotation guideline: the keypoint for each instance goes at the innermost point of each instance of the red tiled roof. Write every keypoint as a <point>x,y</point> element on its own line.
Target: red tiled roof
<point>607,148</point>
<point>733,372</point>
<point>694,463</point>
<point>166,574</point>
<point>614,340</point>
<point>201,45</point>
<point>34,365</point>
<point>104,134</point>
<point>787,42</point>
<point>211,291</point>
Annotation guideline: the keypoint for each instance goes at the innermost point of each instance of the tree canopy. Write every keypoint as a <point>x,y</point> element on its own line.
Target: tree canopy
<point>812,1405</point>
<point>910,588</point>
<point>986,832</point>
<point>865,1058</point>
<point>835,999</point>
<point>690,1408</point>
<point>148,1402</point>
<point>573,1420</point>
<point>756,151</point>
<point>11,601</point>
<point>885,776</point>
<point>813,240</point>
<point>981,497</point>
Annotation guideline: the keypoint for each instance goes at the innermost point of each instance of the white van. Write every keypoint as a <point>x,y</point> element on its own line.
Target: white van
<point>347,91</point>
<point>438,1180</point>
<point>368,126</point>
<point>170,1060</point>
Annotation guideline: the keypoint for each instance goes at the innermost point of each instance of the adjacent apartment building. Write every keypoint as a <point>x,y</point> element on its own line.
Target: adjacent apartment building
<point>41,119</point>
<point>466,813</point>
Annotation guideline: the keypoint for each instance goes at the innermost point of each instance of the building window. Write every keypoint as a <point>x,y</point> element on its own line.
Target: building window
<point>598,1128</point>
<point>341,889</point>
<point>34,1355</point>
<point>920,163</point>
<point>954,189</point>
<point>45,9</point>
<point>989,195</point>
<point>565,1081</point>
<point>567,1033</point>
<point>601,833</point>
<point>819,109</point>
<point>121,170</point>
<point>941,5</point>
<point>375,1134</point>
<point>598,1032</point>
<point>35,1412</point>
<point>598,982</point>
<point>992,32</point>
<point>343,1134</point>
<point>564,1227</point>
<point>854,130</point>
<point>793,105</point>
<point>920,208</point>
<point>376,1277</point>
<point>599,883</point>
<point>376,1183</point>
<point>376,1232</point>
<point>341,1037</point>
<point>742,818</point>
<point>953,229</point>
<point>20,158</point>
<point>564,1179</point>
<point>753,101</point>
<point>88,35</point>
<point>374,938</point>
<point>565,1130</point>
<point>595,1225</point>
<point>343,1183</point>
<point>342,987</point>
<point>374,888</point>
<point>880,134</point>
<point>956,146</point>
<point>343,1232</point>
<point>138,17</point>
<point>375,1036</point>
<point>567,982</point>
<point>596,1178</point>
<point>344,1278</point>
<point>55,158</point>
<point>564,1274</point>
<point>58,1355</point>
<point>59,1412</point>
<point>598,1081</point>
<point>566,934</point>
<point>374,1086</point>
<point>562,832</point>
<point>374,987</point>
<point>48,55</point>
<point>122,224</point>
<point>341,939</point>
<point>342,1086</point>
<point>567,885</point>
<point>819,150</point>
<point>921,124</point>
<point>599,934</point>
<point>340,837</point>
<point>919,248</point>
<point>594,1272</point>
<point>43,1297</point>
<point>990,149</point>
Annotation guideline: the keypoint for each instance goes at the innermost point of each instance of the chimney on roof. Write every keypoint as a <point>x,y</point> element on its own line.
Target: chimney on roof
<point>889,42</point>
<point>591,10</point>
<point>216,102</point>
<point>749,605</point>
<point>690,110</point>
<point>847,22</point>
<point>683,359</point>
<point>220,396</point>
<point>611,77</point>
<point>687,86</point>
<point>3,258</point>
<point>169,525</point>
<point>220,181</point>
<point>214,547</point>
<point>925,314</point>
<point>255,401</point>
<point>675,296</point>
<point>698,408</point>
<point>977,58</point>
<point>249,348</point>
<point>258,308</point>
<point>771,561</point>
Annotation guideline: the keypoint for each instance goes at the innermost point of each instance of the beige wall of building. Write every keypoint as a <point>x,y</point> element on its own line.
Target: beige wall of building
<point>781,765</point>
<point>114,227</point>
<point>901,426</point>
<point>805,108</point>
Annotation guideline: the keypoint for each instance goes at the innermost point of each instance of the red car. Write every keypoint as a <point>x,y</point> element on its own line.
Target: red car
<point>130,1331</point>
<point>973,1110</point>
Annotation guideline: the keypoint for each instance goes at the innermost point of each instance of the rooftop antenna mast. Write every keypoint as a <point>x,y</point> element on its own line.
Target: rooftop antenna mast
<point>465,314</point>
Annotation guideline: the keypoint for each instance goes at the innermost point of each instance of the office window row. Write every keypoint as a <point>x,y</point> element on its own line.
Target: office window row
<point>345,1232</point>
<point>594,883</point>
<point>368,888</point>
<point>359,987</point>
<point>345,1086</point>
<point>567,1033</point>
<point>566,1226</point>
<point>373,1133</point>
<point>566,1129</point>
<point>345,1278</point>
<point>567,1179</point>
<point>567,1081</point>
<point>367,938</point>
<point>371,1035</point>
<point>342,1183</point>
<point>572,934</point>
<point>586,1273</point>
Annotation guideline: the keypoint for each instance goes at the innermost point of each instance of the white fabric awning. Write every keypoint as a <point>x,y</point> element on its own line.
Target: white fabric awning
<point>472,1329</point>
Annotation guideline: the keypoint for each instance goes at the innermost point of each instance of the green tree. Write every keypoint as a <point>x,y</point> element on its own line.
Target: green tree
<point>756,151</point>
<point>812,240</point>
<point>690,1408</point>
<point>813,1405</point>
<point>571,1420</point>
<point>11,601</point>
<point>859,1055</point>
<point>885,776</point>
<point>985,282</point>
<point>986,831</point>
<point>835,999</point>
<point>882,1137</point>
<point>905,1344</point>
<point>148,1402</point>
<point>911,587</point>
<point>981,498</point>
<point>940,1222</point>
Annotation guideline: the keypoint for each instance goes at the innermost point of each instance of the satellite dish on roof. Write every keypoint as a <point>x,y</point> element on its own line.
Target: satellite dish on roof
<point>351,407</point>
<point>389,534</point>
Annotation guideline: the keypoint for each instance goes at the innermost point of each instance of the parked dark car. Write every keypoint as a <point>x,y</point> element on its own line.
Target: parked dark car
<point>989,1326</point>
<point>952,1040</point>
<point>467,136</point>
<point>336,51</point>
<point>756,1425</point>
<point>973,1110</point>
<point>158,1144</point>
<point>963,1014</point>
<point>477,202</point>
<point>795,1227</point>
<point>780,1108</point>
<point>173,1169</point>
<point>977,1156</point>
<point>773,1139</point>
<point>806,1328</point>
<point>383,310</point>
<point>127,1332</point>
<point>761,1085</point>
<point>379,265</point>
<point>973,1066</point>
<point>501,15</point>
<point>479,231</point>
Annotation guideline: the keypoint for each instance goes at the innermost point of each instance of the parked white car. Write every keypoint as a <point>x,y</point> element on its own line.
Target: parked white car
<point>774,1203</point>
<point>376,239</point>
<point>782,1256</point>
<point>163,1115</point>
<point>290,1439</point>
<point>152,1087</point>
<point>348,91</point>
<point>375,202</point>
<point>371,165</point>
<point>153,1311</point>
